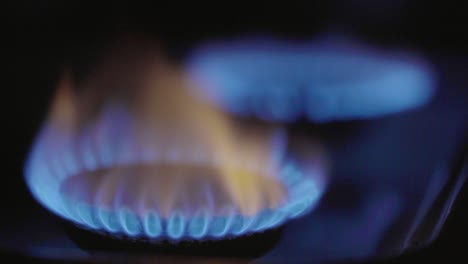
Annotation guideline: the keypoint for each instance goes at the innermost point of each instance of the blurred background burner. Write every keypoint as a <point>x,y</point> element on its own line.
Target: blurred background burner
<point>323,80</point>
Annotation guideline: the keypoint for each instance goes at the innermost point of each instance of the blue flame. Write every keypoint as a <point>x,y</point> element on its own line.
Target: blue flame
<point>324,81</point>
<point>56,157</point>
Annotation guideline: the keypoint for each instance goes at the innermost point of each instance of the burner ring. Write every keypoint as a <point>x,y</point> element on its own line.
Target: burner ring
<point>321,80</point>
<point>46,176</point>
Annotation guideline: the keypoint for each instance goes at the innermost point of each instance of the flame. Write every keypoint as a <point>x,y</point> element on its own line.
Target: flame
<point>233,149</point>
<point>323,80</point>
<point>132,141</point>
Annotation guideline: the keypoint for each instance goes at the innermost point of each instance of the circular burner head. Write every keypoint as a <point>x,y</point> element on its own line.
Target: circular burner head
<point>323,81</point>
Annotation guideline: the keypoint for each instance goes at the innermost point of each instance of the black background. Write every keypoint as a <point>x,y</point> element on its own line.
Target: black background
<point>44,36</point>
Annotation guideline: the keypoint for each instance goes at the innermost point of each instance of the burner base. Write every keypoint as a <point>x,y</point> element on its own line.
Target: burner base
<point>246,246</point>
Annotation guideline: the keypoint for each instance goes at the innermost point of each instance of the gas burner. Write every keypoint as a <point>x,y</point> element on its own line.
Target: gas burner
<point>153,162</point>
<point>323,80</point>
<point>166,198</point>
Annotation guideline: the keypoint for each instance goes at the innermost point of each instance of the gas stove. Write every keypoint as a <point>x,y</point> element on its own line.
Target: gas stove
<point>265,148</point>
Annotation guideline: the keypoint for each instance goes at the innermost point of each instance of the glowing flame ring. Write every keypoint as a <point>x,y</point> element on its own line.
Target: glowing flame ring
<point>323,80</point>
<point>44,173</point>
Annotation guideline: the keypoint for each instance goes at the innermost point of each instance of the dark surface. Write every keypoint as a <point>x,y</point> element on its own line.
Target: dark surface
<point>48,35</point>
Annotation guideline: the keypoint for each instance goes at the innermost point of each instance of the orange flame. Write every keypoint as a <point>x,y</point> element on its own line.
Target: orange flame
<point>235,161</point>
